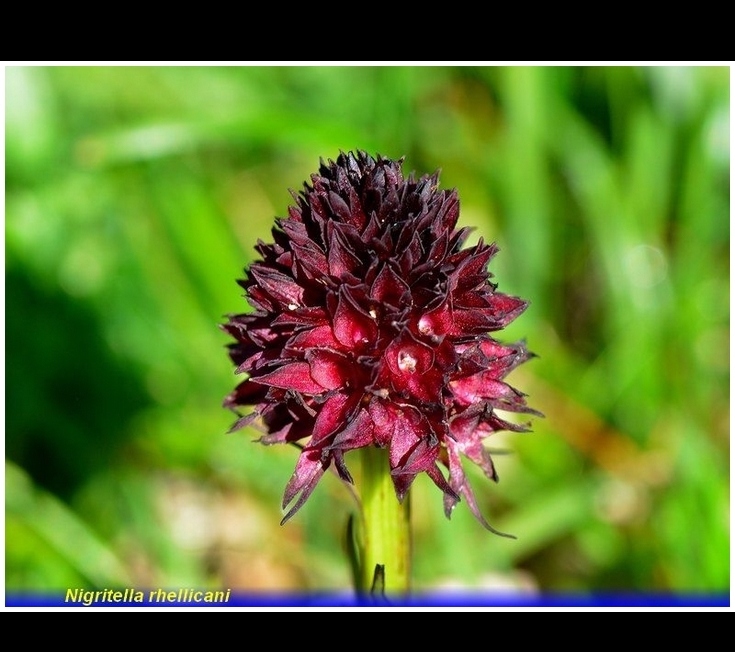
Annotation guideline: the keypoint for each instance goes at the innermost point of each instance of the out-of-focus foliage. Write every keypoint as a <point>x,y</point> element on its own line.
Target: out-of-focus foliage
<point>134,197</point>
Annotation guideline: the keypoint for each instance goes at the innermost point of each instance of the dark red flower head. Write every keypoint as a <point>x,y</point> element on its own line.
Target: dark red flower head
<point>371,328</point>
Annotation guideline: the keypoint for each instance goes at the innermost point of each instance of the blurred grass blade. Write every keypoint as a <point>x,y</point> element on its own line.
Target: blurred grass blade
<point>63,530</point>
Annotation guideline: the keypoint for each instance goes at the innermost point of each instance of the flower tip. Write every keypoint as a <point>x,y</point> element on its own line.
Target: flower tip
<point>502,534</point>
<point>287,517</point>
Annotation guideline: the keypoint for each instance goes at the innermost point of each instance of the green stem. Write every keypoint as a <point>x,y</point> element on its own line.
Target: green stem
<point>386,539</point>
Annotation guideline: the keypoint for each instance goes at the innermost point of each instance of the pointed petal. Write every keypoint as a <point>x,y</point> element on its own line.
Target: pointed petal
<point>279,286</point>
<point>357,434</point>
<point>353,326</point>
<point>341,256</point>
<point>421,458</point>
<point>480,386</point>
<point>397,426</point>
<point>295,376</point>
<point>246,393</point>
<point>309,470</point>
<point>311,260</point>
<point>438,321</point>
<point>329,368</point>
<point>331,419</point>
<point>320,336</point>
<point>299,317</point>
<point>243,421</point>
<point>460,484</point>
<point>389,288</point>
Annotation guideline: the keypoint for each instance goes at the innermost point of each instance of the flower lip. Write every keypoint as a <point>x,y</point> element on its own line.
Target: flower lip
<point>372,328</point>
<point>406,355</point>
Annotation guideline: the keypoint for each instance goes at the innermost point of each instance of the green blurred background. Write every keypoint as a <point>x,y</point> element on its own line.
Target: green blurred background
<point>134,197</point>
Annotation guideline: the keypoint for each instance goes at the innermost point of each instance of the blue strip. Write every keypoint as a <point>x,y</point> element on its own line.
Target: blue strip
<point>155,598</point>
